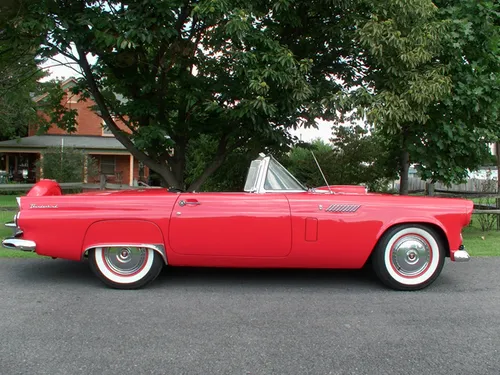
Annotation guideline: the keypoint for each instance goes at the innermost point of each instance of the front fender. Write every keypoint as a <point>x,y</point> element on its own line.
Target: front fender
<point>416,220</point>
<point>449,237</point>
<point>140,233</point>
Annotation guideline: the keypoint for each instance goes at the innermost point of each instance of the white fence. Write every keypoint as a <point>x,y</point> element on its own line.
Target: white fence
<point>70,185</point>
<point>473,185</point>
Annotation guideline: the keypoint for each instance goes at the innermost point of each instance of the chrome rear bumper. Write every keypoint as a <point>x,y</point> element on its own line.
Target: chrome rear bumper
<point>11,225</point>
<point>19,244</point>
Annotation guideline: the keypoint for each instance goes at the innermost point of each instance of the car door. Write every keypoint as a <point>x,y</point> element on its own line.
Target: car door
<point>333,230</point>
<point>231,224</point>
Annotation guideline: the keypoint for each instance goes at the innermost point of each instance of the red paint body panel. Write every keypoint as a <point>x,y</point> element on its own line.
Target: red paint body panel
<point>232,225</point>
<point>305,230</point>
<point>60,232</point>
<point>45,188</point>
<point>344,189</point>
<point>311,234</point>
<point>122,231</point>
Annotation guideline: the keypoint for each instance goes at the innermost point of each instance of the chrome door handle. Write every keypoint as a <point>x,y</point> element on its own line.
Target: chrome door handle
<point>193,203</point>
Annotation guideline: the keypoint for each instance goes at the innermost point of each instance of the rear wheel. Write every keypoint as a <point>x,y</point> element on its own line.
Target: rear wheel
<point>409,257</point>
<point>125,267</point>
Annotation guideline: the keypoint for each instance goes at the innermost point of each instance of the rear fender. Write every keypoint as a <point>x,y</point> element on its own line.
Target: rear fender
<point>45,188</point>
<point>127,233</point>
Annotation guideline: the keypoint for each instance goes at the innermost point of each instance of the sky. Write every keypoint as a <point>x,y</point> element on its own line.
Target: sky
<point>56,70</point>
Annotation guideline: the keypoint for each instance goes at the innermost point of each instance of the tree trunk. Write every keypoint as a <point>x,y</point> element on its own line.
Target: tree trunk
<point>497,153</point>
<point>163,170</point>
<point>178,164</point>
<point>404,168</point>
<point>207,173</point>
<point>430,188</point>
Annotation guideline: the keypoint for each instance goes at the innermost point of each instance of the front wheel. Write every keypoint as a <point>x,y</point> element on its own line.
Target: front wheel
<point>409,257</point>
<point>125,267</point>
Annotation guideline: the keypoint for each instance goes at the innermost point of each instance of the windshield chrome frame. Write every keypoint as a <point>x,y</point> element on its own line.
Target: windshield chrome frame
<point>262,175</point>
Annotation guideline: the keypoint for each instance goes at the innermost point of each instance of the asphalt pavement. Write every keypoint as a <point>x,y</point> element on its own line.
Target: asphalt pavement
<point>57,318</point>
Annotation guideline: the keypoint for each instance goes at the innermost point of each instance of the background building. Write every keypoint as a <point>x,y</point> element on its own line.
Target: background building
<point>18,157</point>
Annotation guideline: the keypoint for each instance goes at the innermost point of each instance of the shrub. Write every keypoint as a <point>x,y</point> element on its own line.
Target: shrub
<point>67,165</point>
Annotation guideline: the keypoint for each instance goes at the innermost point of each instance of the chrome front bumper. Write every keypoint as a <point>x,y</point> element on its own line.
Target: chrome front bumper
<point>19,244</point>
<point>461,255</point>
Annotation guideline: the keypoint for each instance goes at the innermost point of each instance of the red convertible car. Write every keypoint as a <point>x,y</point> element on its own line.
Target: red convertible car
<point>128,236</point>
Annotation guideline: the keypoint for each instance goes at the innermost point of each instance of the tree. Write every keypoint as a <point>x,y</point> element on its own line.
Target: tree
<point>402,79</point>
<point>235,71</point>
<point>18,78</point>
<point>20,83</point>
<point>462,125</point>
<point>300,162</point>
<point>230,176</point>
<point>354,156</point>
<point>431,83</point>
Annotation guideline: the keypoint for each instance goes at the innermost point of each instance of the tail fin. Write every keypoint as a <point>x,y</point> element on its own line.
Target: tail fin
<point>45,188</point>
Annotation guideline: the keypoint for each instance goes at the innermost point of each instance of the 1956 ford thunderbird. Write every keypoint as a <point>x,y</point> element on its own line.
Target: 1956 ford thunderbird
<point>130,235</point>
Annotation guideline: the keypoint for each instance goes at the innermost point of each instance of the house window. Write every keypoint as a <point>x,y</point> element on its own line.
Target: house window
<point>72,99</point>
<point>105,129</point>
<point>108,164</point>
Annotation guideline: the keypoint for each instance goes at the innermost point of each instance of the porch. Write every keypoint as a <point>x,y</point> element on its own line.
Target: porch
<point>18,159</point>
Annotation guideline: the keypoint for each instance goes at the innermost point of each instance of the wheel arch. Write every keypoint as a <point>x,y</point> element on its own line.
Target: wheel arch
<point>124,233</point>
<point>440,231</point>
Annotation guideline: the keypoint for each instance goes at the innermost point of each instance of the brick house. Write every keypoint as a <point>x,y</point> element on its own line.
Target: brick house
<point>116,164</point>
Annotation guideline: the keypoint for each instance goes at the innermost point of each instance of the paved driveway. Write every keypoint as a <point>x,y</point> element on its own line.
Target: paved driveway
<point>56,318</point>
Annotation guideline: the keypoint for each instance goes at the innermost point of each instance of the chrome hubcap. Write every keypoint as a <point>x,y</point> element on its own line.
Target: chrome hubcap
<point>125,260</point>
<point>411,255</point>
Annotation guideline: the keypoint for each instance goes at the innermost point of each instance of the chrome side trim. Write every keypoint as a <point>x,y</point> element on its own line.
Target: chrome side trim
<point>11,225</point>
<point>156,247</point>
<point>461,256</point>
<point>343,208</point>
<point>18,244</point>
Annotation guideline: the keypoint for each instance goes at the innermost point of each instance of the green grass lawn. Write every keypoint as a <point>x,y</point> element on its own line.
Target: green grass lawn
<point>8,201</point>
<point>479,243</point>
<point>6,216</point>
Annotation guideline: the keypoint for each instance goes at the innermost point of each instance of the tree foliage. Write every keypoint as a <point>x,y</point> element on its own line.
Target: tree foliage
<point>18,77</point>
<point>431,82</point>
<point>402,78</point>
<point>237,75</point>
<point>462,125</point>
<point>20,80</point>
<point>230,176</point>
<point>239,72</point>
<point>353,157</point>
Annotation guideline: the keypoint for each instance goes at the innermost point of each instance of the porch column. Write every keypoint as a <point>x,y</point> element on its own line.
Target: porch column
<point>131,171</point>
<point>85,168</point>
<point>7,163</point>
<point>41,165</point>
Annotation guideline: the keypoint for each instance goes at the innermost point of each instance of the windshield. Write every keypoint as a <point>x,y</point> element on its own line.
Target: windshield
<point>278,178</point>
<point>252,176</point>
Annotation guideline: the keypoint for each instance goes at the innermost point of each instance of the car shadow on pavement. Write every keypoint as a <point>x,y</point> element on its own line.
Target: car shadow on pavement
<point>267,278</point>
<point>47,271</point>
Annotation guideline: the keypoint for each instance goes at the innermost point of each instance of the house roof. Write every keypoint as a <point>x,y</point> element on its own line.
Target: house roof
<point>85,142</point>
<point>66,84</point>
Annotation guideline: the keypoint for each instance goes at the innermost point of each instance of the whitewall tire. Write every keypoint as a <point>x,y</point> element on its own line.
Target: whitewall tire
<point>409,257</point>
<point>125,267</point>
